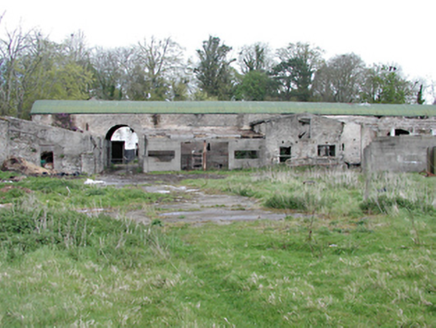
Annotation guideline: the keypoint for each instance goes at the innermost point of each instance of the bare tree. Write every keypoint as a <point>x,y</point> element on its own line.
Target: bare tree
<point>255,57</point>
<point>340,79</point>
<point>110,71</point>
<point>161,62</point>
<point>13,49</point>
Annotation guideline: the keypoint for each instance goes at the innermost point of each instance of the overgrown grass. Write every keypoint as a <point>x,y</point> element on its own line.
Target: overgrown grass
<point>57,193</point>
<point>330,192</point>
<point>359,264</point>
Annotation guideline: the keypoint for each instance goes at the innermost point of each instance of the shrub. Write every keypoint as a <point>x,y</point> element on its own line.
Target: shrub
<point>383,204</point>
<point>286,202</point>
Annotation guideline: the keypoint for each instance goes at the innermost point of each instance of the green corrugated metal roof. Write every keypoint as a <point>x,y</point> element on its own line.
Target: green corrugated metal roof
<point>225,107</point>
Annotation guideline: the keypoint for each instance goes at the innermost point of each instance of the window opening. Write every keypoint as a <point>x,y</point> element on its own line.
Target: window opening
<point>304,128</point>
<point>285,154</point>
<point>162,155</point>
<point>246,154</point>
<point>327,150</point>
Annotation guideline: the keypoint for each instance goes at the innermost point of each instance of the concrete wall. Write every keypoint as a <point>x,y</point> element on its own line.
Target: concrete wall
<point>398,154</point>
<point>351,142</point>
<point>72,151</point>
<point>154,163</point>
<point>256,145</point>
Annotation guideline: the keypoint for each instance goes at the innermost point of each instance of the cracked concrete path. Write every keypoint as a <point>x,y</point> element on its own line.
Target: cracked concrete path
<point>195,206</point>
<point>218,208</point>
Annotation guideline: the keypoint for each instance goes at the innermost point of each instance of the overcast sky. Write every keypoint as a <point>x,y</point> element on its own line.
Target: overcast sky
<point>380,31</point>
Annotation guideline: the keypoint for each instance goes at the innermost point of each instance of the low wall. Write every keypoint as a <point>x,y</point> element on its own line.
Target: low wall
<point>398,154</point>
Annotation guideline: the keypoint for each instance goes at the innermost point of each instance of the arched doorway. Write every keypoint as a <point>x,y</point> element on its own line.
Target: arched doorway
<point>121,146</point>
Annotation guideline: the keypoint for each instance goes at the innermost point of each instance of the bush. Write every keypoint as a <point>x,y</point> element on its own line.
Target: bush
<point>383,204</point>
<point>286,202</point>
<point>50,185</point>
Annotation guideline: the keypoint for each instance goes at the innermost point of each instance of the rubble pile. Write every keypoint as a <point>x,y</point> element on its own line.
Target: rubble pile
<point>20,165</point>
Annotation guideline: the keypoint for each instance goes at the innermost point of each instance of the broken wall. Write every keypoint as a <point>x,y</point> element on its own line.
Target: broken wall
<point>358,132</point>
<point>398,154</point>
<point>302,139</point>
<point>66,150</point>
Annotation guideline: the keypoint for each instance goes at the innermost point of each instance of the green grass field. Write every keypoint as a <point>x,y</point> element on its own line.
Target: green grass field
<point>364,256</point>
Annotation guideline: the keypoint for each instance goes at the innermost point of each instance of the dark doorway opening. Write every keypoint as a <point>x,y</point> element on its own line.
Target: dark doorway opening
<point>285,154</point>
<point>117,152</point>
<point>47,160</point>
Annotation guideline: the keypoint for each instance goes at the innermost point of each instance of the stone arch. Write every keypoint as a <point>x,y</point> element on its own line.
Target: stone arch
<point>121,142</point>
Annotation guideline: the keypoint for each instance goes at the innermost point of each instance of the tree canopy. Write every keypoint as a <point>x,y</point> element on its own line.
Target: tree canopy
<point>34,67</point>
<point>214,72</point>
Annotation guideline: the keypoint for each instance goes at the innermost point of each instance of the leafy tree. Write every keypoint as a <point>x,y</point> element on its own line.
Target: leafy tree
<point>214,72</point>
<point>294,74</point>
<point>420,98</point>
<point>255,86</point>
<point>34,68</point>
<point>63,72</point>
<point>384,84</point>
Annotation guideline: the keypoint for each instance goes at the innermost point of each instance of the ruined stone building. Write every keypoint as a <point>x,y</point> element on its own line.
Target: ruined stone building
<point>172,136</point>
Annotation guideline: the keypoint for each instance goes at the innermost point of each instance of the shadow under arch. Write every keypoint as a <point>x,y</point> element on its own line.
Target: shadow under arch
<point>398,132</point>
<point>121,145</point>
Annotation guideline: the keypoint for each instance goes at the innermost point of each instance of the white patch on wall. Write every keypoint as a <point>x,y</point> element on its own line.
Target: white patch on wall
<point>127,135</point>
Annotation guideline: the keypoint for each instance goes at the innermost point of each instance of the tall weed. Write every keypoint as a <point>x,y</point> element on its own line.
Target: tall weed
<point>30,225</point>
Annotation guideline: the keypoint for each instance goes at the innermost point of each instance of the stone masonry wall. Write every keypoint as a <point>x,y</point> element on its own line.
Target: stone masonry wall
<point>72,151</point>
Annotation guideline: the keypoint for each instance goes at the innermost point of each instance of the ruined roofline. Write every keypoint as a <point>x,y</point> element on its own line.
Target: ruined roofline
<point>44,107</point>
